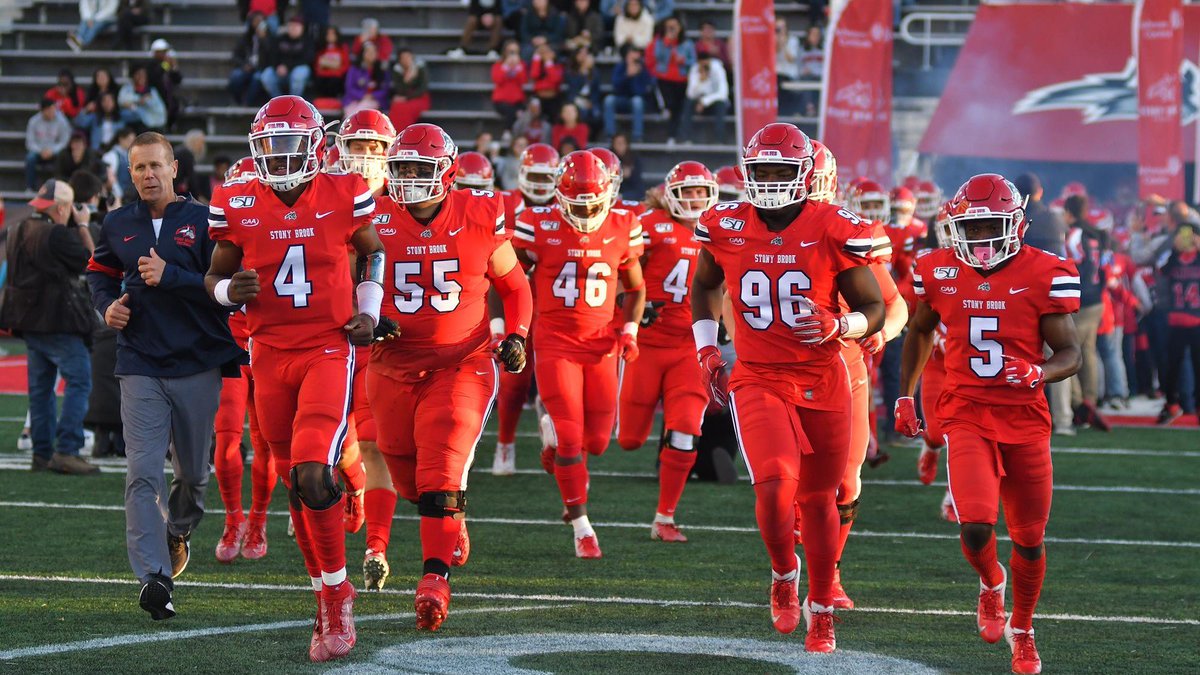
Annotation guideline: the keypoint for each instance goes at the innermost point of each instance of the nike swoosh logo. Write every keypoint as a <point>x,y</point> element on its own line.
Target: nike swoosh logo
<point>481,372</point>
<point>322,215</point>
<point>131,238</point>
<point>455,232</point>
<point>1014,291</point>
<point>609,240</point>
<point>332,351</point>
<point>806,244</point>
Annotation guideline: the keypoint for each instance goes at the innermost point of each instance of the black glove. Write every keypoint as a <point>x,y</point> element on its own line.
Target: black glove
<point>650,313</point>
<point>511,352</point>
<point>386,329</point>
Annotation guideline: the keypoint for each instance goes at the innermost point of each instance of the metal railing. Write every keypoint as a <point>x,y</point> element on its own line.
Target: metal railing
<point>927,38</point>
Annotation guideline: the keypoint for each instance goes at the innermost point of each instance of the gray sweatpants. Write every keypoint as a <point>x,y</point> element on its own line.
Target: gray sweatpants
<point>156,411</point>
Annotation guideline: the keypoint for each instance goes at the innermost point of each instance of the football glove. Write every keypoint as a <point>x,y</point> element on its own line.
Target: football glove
<point>511,352</point>
<point>907,422</point>
<point>627,343</point>
<point>873,343</point>
<point>1020,374</point>
<point>713,367</point>
<point>650,313</point>
<point>820,326</point>
<point>386,329</point>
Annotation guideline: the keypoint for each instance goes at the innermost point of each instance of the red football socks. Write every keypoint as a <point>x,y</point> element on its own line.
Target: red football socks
<point>354,475</point>
<point>304,541</point>
<point>328,535</point>
<point>843,536</point>
<point>672,477</point>
<point>228,461</point>
<point>776,518</point>
<point>380,505</point>
<point>514,388</point>
<point>821,546</point>
<point>572,483</point>
<point>439,536</point>
<point>1026,584</point>
<point>985,562</point>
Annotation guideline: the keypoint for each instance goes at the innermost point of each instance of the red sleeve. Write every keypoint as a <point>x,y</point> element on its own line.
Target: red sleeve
<point>852,240</point>
<point>364,205</point>
<point>499,221</point>
<point>636,245</point>
<point>218,226</point>
<point>524,232</point>
<point>1063,296</point>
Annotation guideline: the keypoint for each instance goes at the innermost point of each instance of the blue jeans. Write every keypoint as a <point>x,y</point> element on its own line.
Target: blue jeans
<point>49,355</point>
<point>245,86</point>
<point>614,104</point>
<point>87,35</point>
<point>715,112</point>
<point>297,79</point>
<point>1116,385</point>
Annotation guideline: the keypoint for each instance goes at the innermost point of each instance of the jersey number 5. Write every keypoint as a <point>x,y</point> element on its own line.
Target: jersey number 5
<point>410,296</point>
<point>992,361</point>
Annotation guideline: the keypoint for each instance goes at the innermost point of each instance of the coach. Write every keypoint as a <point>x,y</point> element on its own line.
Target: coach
<point>147,279</point>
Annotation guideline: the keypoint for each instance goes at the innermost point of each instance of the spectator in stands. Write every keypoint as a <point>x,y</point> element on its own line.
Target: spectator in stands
<point>78,155</point>
<point>582,87</point>
<point>410,89</point>
<point>811,67</point>
<point>1046,230</point>
<point>47,133</point>
<point>66,94</point>
<point>101,126</point>
<point>102,82</point>
<point>251,56</point>
<point>631,168</point>
<point>268,9</point>
<point>508,84</point>
<point>95,17</point>
<point>132,15</point>
<point>144,101</point>
<point>546,75</point>
<point>707,94</point>
<point>661,9</point>
<point>508,167</point>
<point>481,14</point>
<point>566,146</point>
<point>541,24</point>
<point>293,54</point>
<point>316,16</point>
<point>166,77</point>
<point>1089,247</point>
<point>331,66</point>
<point>631,87</point>
<point>46,254</point>
<point>787,66</point>
<point>584,27</point>
<point>116,161</point>
<point>712,45</point>
<point>669,59</point>
<point>634,26</point>
<point>367,83</point>
<point>193,150</point>
<point>569,126</point>
<point>532,124</point>
<point>1120,310</point>
<point>1179,272</point>
<point>370,33</point>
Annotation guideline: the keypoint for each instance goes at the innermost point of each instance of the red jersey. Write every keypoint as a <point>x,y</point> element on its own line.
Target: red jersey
<point>238,327</point>
<point>436,289</point>
<point>767,273</point>
<point>887,288</point>
<point>575,277</point>
<point>989,317</point>
<point>299,253</point>
<point>671,251</point>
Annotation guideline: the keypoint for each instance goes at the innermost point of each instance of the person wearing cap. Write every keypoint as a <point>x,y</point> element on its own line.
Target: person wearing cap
<point>165,77</point>
<point>174,345</point>
<point>46,305</point>
<point>291,65</point>
<point>45,135</point>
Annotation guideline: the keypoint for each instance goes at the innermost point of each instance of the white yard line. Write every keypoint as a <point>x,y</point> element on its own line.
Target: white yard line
<point>686,526</point>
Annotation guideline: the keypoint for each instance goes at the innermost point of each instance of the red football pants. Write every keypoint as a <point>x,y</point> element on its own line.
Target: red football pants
<point>428,430</point>
<point>860,430</point>
<point>671,374</point>
<point>364,421</point>
<point>514,392</point>
<point>580,395</point>
<point>931,388</point>
<point>984,473</point>
<point>236,400</point>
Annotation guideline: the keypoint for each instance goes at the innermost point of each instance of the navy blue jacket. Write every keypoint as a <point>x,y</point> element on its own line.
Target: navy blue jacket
<point>174,329</point>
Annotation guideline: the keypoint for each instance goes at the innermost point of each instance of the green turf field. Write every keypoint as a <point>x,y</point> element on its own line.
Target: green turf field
<point>1121,592</point>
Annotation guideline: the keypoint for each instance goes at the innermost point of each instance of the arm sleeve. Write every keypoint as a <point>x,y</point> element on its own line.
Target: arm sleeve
<point>1063,296</point>
<point>514,292</point>
<point>104,271</point>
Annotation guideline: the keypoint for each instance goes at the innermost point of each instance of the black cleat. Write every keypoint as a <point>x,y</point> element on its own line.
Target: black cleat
<point>156,598</point>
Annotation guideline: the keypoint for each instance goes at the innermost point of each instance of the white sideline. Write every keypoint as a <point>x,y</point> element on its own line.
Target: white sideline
<point>611,600</point>
<point>164,636</point>
<point>699,528</point>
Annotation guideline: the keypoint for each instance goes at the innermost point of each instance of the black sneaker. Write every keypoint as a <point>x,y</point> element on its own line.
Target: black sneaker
<point>156,597</point>
<point>181,553</point>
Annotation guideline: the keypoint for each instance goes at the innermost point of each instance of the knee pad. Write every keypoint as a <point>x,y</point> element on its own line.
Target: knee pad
<point>442,504</point>
<point>848,512</point>
<point>315,487</point>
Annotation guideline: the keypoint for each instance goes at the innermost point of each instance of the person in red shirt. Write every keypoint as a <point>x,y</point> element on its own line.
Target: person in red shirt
<point>290,229</point>
<point>370,33</point>
<point>784,260</point>
<point>669,58</point>
<point>577,251</point>
<point>508,83</point>
<point>432,386</point>
<point>332,62</point>
<point>1000,303</point>
<point>68,96</point>
<point>569,126</point>
<point>546,75</point>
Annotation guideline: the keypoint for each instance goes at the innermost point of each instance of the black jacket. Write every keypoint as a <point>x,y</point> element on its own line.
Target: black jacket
<point>175,329</point>
<point>1047,230</point>
<point>44,293</point>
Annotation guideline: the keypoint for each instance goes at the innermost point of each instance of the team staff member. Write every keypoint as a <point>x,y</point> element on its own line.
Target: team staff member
<point>147,280</point>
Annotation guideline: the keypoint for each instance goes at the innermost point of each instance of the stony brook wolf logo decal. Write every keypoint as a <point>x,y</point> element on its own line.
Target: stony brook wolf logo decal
<point>1105,97</point>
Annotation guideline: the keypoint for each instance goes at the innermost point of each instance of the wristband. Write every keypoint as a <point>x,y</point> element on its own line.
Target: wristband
<point>853,325</point>
<point>370,299</point>
<point>496,325</point>
<point>704,332</point>
<point>631,328</point>
<point>221,293</point>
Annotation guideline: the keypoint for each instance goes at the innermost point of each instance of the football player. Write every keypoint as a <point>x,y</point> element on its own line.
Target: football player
<point>613,164</point>
<point>929,201</point>
<point>362,143</point>
<point>289,229</point>
<point>784,260</point>
<point>1000,302</point>
<point>475,172</point>
<point>577,252</point>
<point>732,187</point>
<point>433,385</point>
<point>666,367</point>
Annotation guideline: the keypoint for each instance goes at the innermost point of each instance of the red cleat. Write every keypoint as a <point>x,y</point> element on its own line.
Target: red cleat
<point>796,530</point>
<point>785,601</point>
<point>819,620</point>
<point>432,603</point>
<point>588,547</point>
<point>668,532</point>
<point>990,613</point>
<point>462,550</point>
<point>1025,657</point>
<point>927,464</point>
<point>356,513</point>
<point>230,543</point>
<point>316,647</point>
<point>254,546</point>
<point>840,599</point>
<point>337,614</point>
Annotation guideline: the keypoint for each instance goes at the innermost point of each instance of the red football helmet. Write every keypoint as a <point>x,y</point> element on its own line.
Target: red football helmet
<point>538,174</point>
<point>241,170</point>
<point>366,125</point>
<point>333,161</point>
<point>421,164</point>
<point>731,185</point>
<point>911,182</point>
<point>1073,188</point>
<point>584,189</point>
<point>869,200</point>
<point>986,197</point>
<point>929,200</point>
<point>613,164</point>
<point>474,171</point>
<point>904,205</point>
<point>941,225</point>
<point>689,175</point>
<point>287,141</point>
<point>823,183</point>
<point>778,143</point>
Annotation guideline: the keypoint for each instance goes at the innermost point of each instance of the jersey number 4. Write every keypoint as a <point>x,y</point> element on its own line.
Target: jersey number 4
<point>595,285</point>
<point>291,280</point>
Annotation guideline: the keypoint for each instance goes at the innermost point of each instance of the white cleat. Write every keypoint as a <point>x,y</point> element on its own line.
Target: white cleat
<point>505,463</point>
